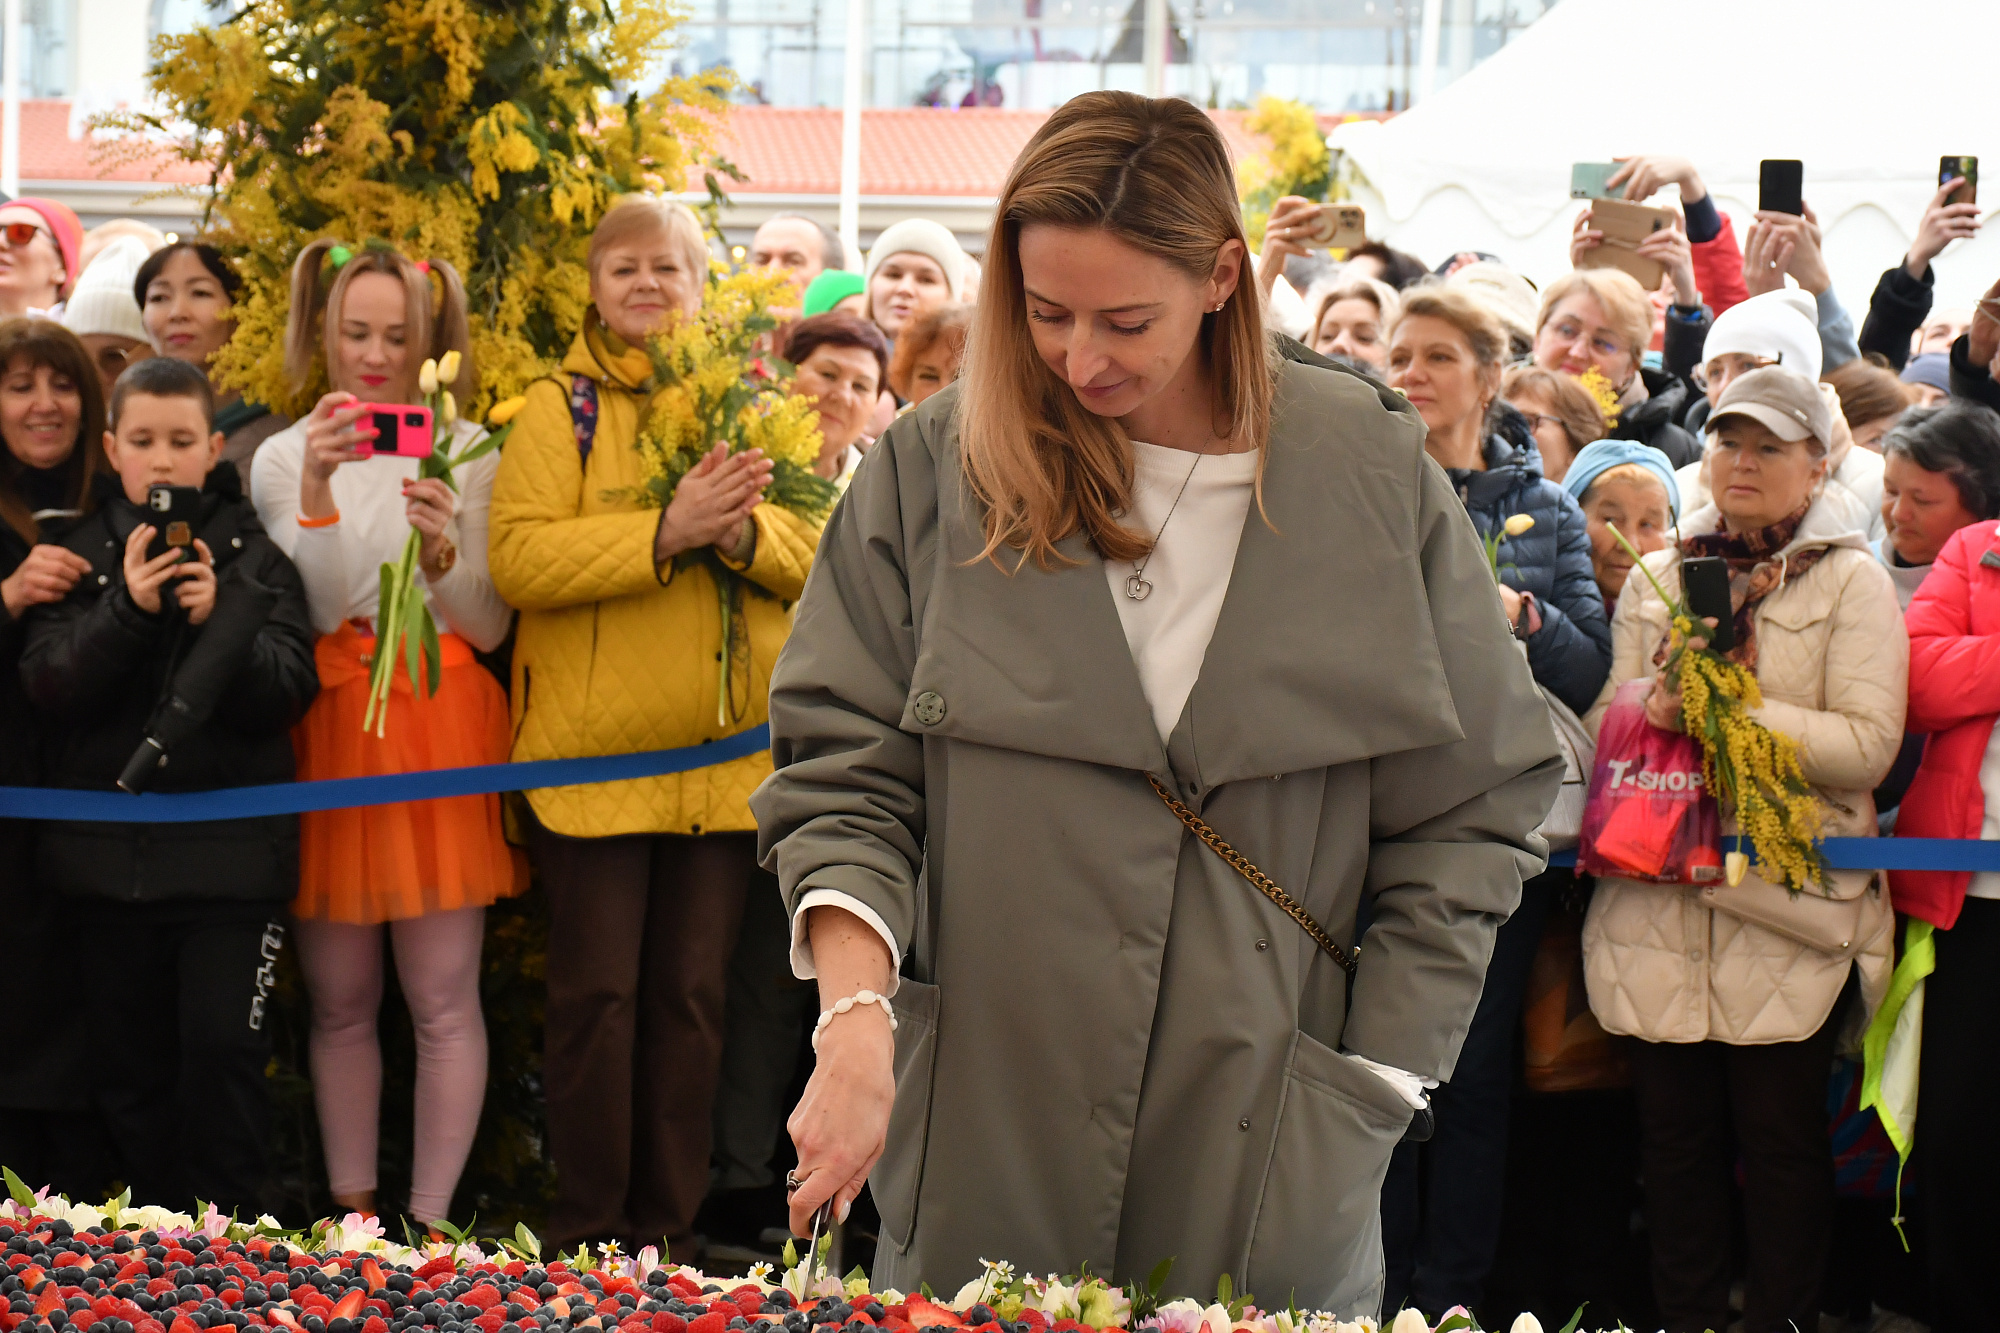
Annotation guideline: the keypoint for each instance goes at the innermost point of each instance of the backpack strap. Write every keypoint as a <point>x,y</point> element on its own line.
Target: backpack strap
<point>583,413</point>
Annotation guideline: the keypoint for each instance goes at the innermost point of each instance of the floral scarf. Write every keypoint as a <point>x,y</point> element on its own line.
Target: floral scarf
<point>1753,574</point>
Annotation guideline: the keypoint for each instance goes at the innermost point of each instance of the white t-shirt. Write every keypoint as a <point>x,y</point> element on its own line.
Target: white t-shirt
<point>1986,883</point>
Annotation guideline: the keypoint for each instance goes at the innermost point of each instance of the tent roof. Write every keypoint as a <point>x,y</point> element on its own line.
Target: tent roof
<point>1868,95</point>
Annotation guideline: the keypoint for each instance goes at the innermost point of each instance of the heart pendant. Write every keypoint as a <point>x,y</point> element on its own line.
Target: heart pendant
<point>1137,588</point>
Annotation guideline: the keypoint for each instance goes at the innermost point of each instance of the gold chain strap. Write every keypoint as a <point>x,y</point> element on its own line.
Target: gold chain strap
<point>1241,865</point>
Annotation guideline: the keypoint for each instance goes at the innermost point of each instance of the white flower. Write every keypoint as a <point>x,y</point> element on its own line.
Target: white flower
<point>760,1274</point>
<point>1409,1321</point>
<point>1058,1301</point>
<point>427,378</point>
<point>968,1296</point>
<point>1525,1323</point>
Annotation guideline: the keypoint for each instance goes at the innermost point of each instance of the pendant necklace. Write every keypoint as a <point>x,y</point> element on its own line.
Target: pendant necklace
<point>1136,586</point>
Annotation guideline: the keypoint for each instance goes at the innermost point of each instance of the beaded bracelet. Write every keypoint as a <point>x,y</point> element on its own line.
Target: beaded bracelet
<point>865,997</point>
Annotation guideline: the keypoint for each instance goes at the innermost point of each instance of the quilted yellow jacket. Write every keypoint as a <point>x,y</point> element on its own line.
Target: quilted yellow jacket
<point>614,656</point>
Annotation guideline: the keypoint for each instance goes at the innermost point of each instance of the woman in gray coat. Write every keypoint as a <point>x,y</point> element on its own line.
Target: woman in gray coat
<point>1133,547</point>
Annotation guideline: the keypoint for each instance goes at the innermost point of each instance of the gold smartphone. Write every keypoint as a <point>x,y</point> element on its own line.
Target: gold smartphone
<point>1624,226</point>
<point>1341,226</point>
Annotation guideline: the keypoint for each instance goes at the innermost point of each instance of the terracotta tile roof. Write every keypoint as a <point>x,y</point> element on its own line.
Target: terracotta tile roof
<point>49,154</point>
<point>904,151</point>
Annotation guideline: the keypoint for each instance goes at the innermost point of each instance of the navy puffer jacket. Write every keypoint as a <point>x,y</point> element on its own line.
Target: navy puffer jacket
<point>1571,653</point>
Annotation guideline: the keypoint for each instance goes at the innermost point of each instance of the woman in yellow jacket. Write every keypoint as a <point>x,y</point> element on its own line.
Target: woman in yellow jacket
<point>617,653</point>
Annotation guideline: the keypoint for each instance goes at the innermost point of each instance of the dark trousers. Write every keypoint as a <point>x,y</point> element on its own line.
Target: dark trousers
<point>1441,1202</point>
<point>770,1012</point>
<point>183,1097</point>
<point>1703,1108</point>
<point>1958,1135</point>
<point>640,933</point>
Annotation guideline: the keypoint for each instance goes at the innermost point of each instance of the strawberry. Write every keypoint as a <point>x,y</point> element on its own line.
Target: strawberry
<point>683,1288</point>
<point>350,1305</point>
<point>372,1272</point>
<point>50,1299</point>
<point>559,1306</point>
<point>929,1314</point>
<point>482,1296</point>
<point>900,1310</point>
<point>281,1316</point>
<point>442,1266</point>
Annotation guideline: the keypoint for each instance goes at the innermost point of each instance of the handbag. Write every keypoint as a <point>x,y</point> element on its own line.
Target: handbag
<point>1424,1123</point>
<point>1563,1047</point>
<point>1564,823</point>
<point>1834,923</point>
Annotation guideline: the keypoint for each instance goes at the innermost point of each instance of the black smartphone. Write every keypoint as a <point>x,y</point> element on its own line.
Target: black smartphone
<point>1781,184</point>
<point>1963,166</point>
<point>174,512</point>
<point>1705,585</point>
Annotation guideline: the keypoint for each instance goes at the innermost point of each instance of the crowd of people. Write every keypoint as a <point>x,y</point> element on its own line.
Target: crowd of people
<point>1849,478</point>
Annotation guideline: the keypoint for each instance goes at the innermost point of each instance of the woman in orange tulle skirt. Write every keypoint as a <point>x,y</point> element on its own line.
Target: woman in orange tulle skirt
<point>420,873</point>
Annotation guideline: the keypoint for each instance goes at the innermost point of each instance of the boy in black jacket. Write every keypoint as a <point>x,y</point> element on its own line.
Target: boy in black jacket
<point>181,672</point>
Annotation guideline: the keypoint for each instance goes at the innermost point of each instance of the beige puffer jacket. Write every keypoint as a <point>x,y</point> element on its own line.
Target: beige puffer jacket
<point>1833,663</point>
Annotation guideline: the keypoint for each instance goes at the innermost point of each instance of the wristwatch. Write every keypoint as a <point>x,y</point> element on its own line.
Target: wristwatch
<point>447,556</point>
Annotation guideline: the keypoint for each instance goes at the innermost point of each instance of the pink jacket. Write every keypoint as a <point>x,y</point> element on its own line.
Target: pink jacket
<point>1954,626</point>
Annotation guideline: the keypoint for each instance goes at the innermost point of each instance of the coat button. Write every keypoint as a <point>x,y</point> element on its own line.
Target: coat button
<point>930,708</point>
<point>1694,955</point>
<point>1244,1124</point>
<point>1263,945</point>
<point>103,579</point>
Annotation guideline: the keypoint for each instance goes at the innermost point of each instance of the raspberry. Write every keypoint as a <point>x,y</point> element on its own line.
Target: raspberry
<point>375,1324</point>
<point>708,1323</point>
<point>666,1321</point>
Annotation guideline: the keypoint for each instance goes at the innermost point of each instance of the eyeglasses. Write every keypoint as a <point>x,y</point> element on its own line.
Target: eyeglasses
<point>21,233</point>
<point>1537,419</point>
<point>1603,343</point>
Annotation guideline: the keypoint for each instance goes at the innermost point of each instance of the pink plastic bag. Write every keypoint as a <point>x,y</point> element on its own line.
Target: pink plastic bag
<point>1648,815</point>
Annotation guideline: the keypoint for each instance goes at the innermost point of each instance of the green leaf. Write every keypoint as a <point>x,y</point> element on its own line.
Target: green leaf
<point>17,1188</point>
<point>1225,1287</point>
<point>1574,1320</point>
<point>1454,1323</point>
<point>1156,1281</point>
<point>530,1242</point>
<point>433,654</point>
<point>925,1288</point>
<point>856,1272</point>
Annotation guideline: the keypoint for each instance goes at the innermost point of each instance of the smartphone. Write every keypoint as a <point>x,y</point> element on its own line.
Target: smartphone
<point>1963,167</point>
<point>1781,184</point>
<point>1341,226</point>
<point>1625,225</point>
<point>174,512</point>
<point>400,429</point>
<point>1588,180</point>
<point>1705,584</point>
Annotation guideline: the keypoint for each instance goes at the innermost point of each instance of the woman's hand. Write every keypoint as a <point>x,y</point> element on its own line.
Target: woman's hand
<point>197,591</point>
<point>1801,255</point>
<point>842,1122</point>
<point>1670,246</point>
<point>1510,604</point>
<point>429,504</point>
<point>1663,704</point>
<point>1982,341</point>
<point>1289,232</point>
<point>144,578</point>
<point>1941,224</point>
<point>1583,239</point>
<point>1766,253</point>
<point>45,576</point>
<point>1644,176</point>
<point>333,431</point>
<point>713,501</point>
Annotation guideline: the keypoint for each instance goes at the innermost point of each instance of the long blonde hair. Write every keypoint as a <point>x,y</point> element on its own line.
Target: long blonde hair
<point>1155,173</point>
<point>434,304</point>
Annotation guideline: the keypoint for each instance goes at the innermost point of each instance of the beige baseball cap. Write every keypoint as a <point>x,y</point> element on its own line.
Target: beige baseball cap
<point>1785,402</point>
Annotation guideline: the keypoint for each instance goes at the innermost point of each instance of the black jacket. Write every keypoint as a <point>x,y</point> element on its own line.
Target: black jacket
<point>1655,421</point>
<point>99,670</point>
<point>1897,310</point>
<point>1571,653</point>
<point>1970,381</point>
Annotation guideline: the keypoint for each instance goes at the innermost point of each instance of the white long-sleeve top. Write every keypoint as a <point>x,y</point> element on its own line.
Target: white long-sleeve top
<point>341,563</point>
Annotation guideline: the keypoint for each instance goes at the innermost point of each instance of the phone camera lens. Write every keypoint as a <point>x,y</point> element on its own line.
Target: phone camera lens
<point>413,419</point>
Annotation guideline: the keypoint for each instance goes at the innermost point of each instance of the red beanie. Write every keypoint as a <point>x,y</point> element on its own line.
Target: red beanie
<point>66,227</point>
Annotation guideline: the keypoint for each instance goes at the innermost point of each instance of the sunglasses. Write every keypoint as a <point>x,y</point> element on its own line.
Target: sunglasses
<point>21,233</point>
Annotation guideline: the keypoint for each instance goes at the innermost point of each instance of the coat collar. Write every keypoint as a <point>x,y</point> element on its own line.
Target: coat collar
<point>1323,654</point>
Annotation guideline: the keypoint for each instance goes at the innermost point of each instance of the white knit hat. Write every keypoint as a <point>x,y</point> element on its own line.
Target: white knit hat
<point>1782,326</point>
<point>102,300</point>
<point>921,236</point>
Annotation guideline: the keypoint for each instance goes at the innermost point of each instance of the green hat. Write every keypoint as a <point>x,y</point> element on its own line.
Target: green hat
<point>832,287</point>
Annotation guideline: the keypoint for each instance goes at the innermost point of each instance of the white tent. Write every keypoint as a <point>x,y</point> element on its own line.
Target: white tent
<point>1867,93</point>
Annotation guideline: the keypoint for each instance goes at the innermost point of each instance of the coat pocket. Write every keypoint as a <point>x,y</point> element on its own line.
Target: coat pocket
<point>900,1172</point>
<point>1317,1236</point>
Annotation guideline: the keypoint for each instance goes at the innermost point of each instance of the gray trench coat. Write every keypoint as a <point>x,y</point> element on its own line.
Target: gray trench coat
<point>1112,1048</point>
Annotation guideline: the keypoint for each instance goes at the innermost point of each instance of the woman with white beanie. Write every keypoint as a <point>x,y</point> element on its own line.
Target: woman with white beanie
<point>102,313</point>
<point>916,267</point>
<point>1781,328</point>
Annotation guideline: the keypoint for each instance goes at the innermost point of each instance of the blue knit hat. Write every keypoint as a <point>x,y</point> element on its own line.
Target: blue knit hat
<point>1600,456</point>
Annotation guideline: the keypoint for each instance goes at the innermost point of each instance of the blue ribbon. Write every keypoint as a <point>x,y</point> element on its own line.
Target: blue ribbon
<point>1891,854</point>
<point>292,798</point>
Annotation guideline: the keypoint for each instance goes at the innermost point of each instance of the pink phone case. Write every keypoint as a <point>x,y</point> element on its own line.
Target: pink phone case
<point>402,430</point>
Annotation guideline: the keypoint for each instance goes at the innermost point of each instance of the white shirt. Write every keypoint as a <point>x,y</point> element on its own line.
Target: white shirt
<point>1986,883</point>
<point>1168,631</point>
<point>341,563</point>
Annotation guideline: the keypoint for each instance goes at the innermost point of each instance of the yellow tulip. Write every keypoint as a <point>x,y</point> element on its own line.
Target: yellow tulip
<point>505,410</point>
<point>448,367</point>
<point>1519,524</point>
<point>448,408</point>
<point>1734,865</point>
<point>427,378</point>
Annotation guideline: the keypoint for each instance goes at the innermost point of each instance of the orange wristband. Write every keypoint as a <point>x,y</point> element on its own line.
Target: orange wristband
<point>326,522</point>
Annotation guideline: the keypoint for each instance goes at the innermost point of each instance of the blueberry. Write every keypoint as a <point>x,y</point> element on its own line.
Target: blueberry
<point>510,1327</point>
<point>61,1230</point>
<point>875,1311</point>
<point>738,1322</point>
<point>58,1318</point>
<point>979,1314</point>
